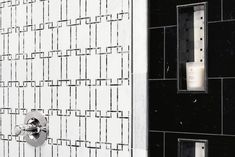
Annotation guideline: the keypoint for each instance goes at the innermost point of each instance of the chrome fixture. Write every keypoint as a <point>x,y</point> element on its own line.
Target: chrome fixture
<point>34,129</point>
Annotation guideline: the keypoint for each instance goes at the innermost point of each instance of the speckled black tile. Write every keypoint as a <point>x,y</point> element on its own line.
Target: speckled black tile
<point>163,12</point>
<point>229,106</point>
<point>221,49</point>
<point>184,112</point>
<point>156,53</point>
<point>171,52</point>
<point>218,146</point>
<point>228,9</point>
<point>170,112</point>
<point>155,144</point>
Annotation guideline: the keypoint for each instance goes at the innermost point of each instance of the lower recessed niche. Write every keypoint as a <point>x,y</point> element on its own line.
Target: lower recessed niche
<point>192,148</point>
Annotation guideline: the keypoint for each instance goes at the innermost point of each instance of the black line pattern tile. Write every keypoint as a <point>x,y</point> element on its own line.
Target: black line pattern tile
<point>70,60</point>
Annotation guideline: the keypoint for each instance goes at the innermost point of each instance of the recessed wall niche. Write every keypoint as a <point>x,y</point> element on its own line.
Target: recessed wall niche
<point>192,148</point>
<point>192,47</point>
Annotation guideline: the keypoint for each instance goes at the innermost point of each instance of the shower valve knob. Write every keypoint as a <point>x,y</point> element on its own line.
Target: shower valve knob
<point>28,129</point>
<point>34,129</point>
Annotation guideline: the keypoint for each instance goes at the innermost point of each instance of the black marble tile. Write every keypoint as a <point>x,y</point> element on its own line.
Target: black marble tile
<point>155,144</point>
<point>228,9</point>
<point>171,52</point>
<point>156,53</point>
<point>218,146</point>
<point>184,112</point>
<point>221,49</point>
<point>163,12</point>
<point>229,106</point>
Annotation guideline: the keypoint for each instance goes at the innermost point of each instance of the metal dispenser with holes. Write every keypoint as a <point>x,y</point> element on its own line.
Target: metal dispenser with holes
<point>192,148</point>
<point>192,47</point>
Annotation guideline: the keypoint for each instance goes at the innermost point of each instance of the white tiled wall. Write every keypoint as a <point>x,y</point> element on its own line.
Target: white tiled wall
<point>72,61</point>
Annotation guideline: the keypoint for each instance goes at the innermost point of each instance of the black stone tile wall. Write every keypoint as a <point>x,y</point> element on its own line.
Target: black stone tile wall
<point>208,116</point>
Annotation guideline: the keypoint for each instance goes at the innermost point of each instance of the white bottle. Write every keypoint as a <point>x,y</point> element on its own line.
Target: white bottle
<point>195,75</point>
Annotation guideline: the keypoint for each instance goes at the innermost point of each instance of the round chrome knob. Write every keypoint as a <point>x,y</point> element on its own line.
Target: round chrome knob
<point>34,129</point>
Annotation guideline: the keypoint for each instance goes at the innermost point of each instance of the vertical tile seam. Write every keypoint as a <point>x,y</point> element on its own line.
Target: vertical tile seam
<point>222,106</point>
<point>164,52</point>
<point>222,10</point>
<point>164,144</point>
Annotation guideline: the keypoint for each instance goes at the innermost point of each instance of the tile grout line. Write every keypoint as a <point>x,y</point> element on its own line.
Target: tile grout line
<point>164,144</point>
<point>222,106</point>
<point>222,10</point>
<point>228,20</point>
<point>209,22</point>
<point>210,78</point>
<point>164,52</point>
<point>162,79</point>
<point>191,133</point>
<point>157,27</point>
